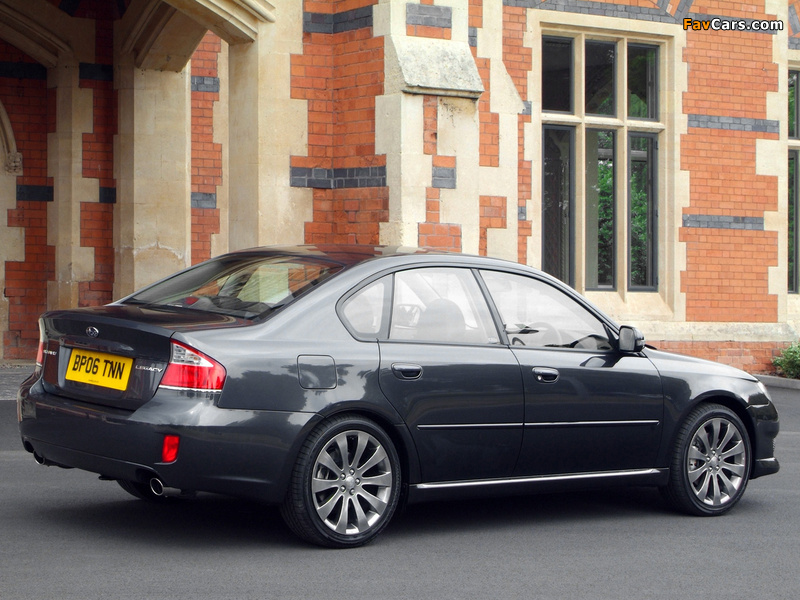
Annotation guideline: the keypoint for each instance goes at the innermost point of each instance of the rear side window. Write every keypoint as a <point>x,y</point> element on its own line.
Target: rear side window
<point>440,305</point>
<point>240,286</point>
<point>433,304</point>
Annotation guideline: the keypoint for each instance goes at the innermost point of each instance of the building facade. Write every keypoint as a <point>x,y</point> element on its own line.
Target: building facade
<point>644,151</point>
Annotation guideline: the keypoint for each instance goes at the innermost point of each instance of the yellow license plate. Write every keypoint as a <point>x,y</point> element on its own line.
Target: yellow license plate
<point>99,368</point>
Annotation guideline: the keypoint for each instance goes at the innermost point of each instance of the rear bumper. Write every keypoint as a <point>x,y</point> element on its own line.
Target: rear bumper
<point>237,452</point>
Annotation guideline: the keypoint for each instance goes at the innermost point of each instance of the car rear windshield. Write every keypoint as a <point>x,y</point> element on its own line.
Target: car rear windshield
<point>240,286</point>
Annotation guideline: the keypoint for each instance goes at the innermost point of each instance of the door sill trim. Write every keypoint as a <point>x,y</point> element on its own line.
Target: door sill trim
<point>441,485</point>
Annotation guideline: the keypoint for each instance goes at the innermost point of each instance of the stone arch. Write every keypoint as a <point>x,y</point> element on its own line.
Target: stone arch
<point>162,35</point>
<point>31,36</point>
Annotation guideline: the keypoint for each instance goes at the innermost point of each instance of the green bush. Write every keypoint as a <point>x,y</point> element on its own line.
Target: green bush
<point>788,362</point>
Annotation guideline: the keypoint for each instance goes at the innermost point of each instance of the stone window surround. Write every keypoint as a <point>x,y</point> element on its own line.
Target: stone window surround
<point>623,125</point>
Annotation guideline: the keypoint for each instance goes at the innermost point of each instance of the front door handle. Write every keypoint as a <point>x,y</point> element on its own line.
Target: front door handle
<point>406,371</point>
<point>545,374</point>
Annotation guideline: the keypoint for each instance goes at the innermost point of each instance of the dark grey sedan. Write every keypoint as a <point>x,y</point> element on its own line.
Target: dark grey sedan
<point>339,381</point>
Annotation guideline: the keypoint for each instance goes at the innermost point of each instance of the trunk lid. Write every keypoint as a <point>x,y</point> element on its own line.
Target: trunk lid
<point>115,355</point>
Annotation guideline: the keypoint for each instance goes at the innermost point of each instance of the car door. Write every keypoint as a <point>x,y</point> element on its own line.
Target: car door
<point>588,407</point>
<point>444,369</point>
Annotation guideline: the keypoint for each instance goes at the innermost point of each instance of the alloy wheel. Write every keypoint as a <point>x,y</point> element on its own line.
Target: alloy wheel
<point>716,463</point>
<point>351,482</point>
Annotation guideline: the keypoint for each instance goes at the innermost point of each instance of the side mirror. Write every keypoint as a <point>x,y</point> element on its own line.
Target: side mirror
<point>631,339</point>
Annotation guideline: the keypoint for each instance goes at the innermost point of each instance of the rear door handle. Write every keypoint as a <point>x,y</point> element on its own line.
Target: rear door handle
<point>406,371</point>
<point>545,374</point>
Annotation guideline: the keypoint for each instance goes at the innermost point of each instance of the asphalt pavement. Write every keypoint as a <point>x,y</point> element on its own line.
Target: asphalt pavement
<point>66,535</point>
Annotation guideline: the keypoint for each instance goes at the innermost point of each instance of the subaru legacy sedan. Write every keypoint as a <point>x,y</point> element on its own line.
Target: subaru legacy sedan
<point>337,382</point>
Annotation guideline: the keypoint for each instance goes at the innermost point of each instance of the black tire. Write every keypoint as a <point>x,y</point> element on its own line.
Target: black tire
<point>711,461</point>
<point>345,485</point>
<point>141,491</point>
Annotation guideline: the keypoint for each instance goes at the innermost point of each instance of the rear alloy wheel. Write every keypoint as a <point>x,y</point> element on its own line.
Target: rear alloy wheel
<point>711,462</point>
<point>346,484</point>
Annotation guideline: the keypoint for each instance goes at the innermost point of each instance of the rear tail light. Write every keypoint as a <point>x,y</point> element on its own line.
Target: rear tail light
<point>40,355</point>
<point>40,350</point>
<point>191,369</point>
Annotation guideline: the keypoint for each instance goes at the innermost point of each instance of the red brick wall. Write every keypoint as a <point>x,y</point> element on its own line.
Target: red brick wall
<point>433,233</point>
<point>493,216</point>
<point>726,278</point>
<point>206,154</point>
<point>476,13</point>
<point>728,270</point>
<point>754,357</point>
<point>796,5</point>
<point>97,229</point>
<point>340,75</point>
<point>31,112</point>
<point>518,62</point>
<point>489,121</point>
<point>441,33</point>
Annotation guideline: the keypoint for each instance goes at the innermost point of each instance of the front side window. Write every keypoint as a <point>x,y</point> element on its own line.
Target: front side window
<point>599,162</point>
<point>536,314</point>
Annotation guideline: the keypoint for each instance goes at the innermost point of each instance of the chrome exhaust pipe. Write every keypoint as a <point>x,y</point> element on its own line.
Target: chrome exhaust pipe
<point>157,486</point>
<point>41,460</point>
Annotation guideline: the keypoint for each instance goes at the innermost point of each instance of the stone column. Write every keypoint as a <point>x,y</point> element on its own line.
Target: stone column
<point>65,163</point>
<point>415,67</point>
<point>267,127</point>
<point>152,222</point>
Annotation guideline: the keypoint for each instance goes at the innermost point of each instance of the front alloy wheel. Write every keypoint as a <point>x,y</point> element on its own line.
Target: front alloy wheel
<point>711,464</point>
<point>345,486</point>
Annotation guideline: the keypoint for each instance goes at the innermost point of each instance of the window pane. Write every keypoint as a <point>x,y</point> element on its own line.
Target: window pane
<point>440,305</point>
<point>793,75</point>
<point>600,58</point>
<point>792,223</point>
<point>557,203</point>
<point>536,314</point>
<point>600,225</point>
<point>557,74</point>
<point>642,77</point>
<point>642,212</point>
<point>364,311</point>
<point>239,285</point>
